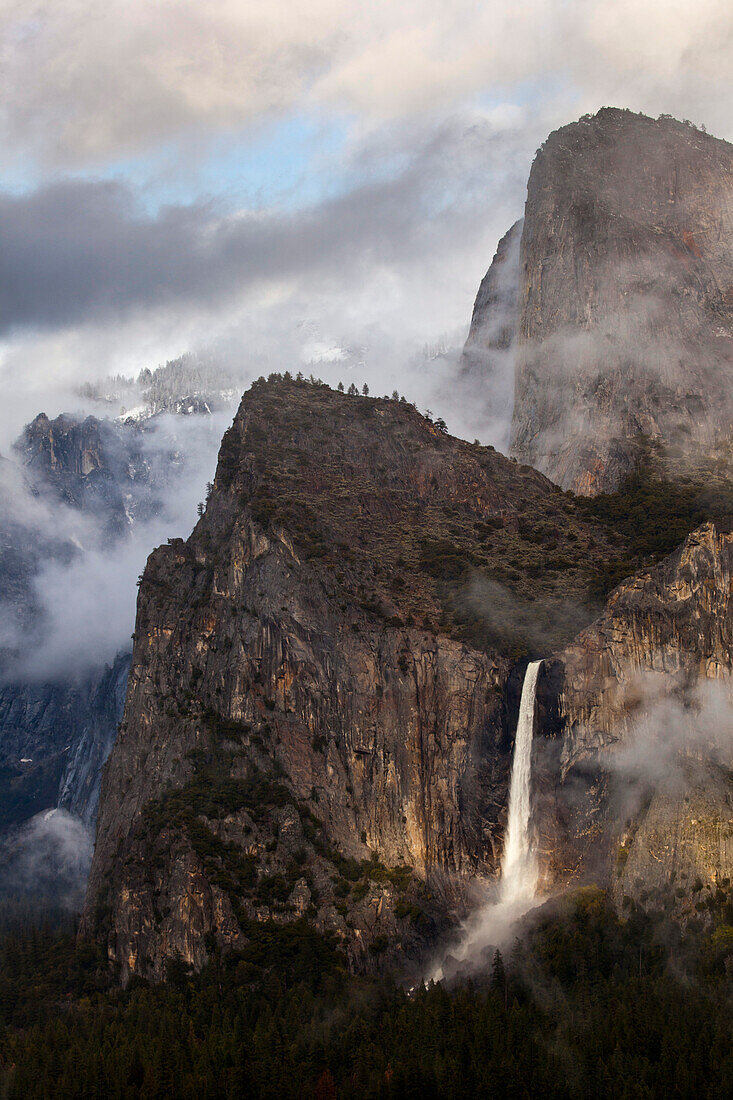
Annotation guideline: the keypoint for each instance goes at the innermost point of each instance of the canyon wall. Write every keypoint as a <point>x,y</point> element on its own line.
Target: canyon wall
<point>309,727</point>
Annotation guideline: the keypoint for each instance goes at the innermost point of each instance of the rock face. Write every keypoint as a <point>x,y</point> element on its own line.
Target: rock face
<point>308,727</point>
<point>55,736</point>
<point>113,472</point>
<point>638,786</point>
<point>326,674</point>
<point>87,464</point>
<point>54,741</point>
<point>624,302</point>
<point>487,362</point>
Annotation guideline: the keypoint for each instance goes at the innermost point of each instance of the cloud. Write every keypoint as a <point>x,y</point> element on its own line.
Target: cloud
<point>93,284</point>
<point>671,731</point>
<point>78,250</point>
<point>47,860</point>
<point>441,106</point>
<point>90,81</point>
<point>86,602</point>
<point>586,393</point>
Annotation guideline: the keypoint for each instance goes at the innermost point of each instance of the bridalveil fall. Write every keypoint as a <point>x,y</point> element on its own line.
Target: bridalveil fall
<point>491,924</point>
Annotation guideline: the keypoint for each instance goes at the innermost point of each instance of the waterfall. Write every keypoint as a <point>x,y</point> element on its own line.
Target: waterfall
<point>493,922</point>
<point>519,870</point>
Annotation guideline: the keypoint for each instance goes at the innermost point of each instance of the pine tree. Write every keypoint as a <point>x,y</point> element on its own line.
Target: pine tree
<point>498,976</point>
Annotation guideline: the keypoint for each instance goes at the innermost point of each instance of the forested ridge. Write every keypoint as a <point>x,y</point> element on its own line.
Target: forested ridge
<point>586,1004</point>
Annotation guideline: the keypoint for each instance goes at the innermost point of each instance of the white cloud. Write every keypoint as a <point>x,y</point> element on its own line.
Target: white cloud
<point>88,603</point>
<point>89,80</point>
<point>47,859</point>
<point>379,270</point>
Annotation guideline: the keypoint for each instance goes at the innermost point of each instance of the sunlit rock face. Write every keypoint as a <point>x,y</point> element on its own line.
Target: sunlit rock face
<point>624,302</point>
<point>304,684</point>
<point>636,788</point>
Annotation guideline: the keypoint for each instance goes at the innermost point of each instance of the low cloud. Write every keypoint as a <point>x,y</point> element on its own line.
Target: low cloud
<point>79,250</point>
<point>374,284</point>
<point>46,862</point>
<point>672,731</point>
<point>86,600</point>
<point>540,626</point>
<point>484,381</point>
<point>631,372</point>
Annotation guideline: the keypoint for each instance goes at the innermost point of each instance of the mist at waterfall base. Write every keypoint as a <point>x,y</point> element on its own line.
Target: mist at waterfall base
<point>491,925</point>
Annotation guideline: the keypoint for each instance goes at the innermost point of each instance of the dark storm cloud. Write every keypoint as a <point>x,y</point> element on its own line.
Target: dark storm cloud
<point>78,251</point>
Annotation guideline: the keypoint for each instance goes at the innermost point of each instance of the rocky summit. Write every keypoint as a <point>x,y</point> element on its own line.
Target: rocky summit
<point>325,684</point>
<point>316,719</point>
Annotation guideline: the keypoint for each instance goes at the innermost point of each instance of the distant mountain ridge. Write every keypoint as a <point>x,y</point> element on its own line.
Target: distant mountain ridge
<point>70,486</point>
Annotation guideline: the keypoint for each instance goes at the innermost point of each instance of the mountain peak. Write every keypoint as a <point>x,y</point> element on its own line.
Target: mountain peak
<point>621,334</point>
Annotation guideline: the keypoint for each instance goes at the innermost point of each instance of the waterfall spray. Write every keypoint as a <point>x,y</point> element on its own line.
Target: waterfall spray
<point>492,923</point>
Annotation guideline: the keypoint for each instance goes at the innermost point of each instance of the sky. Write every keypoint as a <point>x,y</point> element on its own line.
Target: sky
<point>292,181</point>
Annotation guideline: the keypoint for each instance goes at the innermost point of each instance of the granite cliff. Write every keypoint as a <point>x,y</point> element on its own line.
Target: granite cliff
<point>326,674</point>
<point>325,684</point>
<point>622,334</point>
<point>636,790</point>
<point>323,692</point>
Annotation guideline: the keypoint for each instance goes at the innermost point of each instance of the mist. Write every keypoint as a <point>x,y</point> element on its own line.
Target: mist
<point>671,733</point>
<point>86,598</point>
<point>46,862</point>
